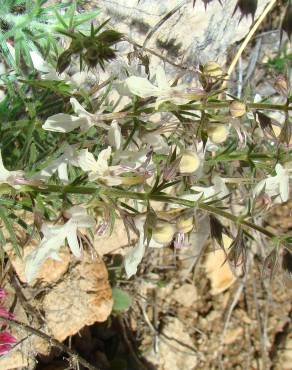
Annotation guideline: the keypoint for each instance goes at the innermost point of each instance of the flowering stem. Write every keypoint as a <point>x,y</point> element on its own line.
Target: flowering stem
<point>219,105</point>
<point>119,193</point>
<point>73,354</point>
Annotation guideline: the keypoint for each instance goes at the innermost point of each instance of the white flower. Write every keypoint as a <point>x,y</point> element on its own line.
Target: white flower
<point>12,178</point>
<point>115,136</point>
<point>218,190</point>
<point>62,122</point>
<point>54,238</point>
<point>143,88</point>
<point>156,141</point>
<point>60,165</point>
<point>163,234</point>
<point>136,254</point>
<point>98,169</point>
<point>275,186</point>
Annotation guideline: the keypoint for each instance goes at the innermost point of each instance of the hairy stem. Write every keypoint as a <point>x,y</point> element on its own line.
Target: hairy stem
<point>161,197</point>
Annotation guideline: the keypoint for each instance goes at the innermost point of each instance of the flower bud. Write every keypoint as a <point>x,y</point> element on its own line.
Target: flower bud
<point>217,133</point>
<point>184,224</point>
<point>212,69</point>
<point>189,162</point>
<point>281,85</point>
<point>163,232</point>
<point>237,109</point>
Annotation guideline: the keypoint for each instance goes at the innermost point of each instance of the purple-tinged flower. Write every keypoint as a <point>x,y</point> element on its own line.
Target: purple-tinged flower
<point>179,240</point>
<point>3,294</point>
<point>6,342</point>
<point>5,314</point>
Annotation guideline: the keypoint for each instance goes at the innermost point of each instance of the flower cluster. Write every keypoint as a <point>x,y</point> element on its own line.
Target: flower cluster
<point>169,142</point>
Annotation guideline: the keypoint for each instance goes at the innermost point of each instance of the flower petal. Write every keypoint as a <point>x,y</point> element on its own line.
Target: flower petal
<point>141,87</point>
<point>86,161</point>
<point>63,123</point>
<point>4,174</point>
<point>115,136</point>
<point>102,160</point>
<point>63,172</point>
<point>72,238</point>
<point>48,248</point>
<point>38,62</point>
<point>161,79</point>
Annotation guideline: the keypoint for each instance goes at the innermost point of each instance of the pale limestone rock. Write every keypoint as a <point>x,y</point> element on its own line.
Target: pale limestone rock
<point>82,298</point>
<point>174,350</point>
<point>191,34</point>
<point>50,272</point>
<point>233,335</point>
<point>185,295</point>
<point>114,243</point>
<point>14,360</point>
<point>218,270</point>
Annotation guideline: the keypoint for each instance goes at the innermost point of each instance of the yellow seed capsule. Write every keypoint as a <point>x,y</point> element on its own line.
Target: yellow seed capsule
<point>237,109</point>
<point>212,69</point>
<point>189,162</point>
<point>184,224</point>
<point>217,133</point>
<point>163,232</point>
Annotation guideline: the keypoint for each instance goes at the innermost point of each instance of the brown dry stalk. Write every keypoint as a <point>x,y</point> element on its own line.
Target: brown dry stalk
<point>247,39</point>
<point>54,342</point>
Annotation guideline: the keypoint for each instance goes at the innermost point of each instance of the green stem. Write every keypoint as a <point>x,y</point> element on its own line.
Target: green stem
<point>220,105</point>
<point>119,193</point>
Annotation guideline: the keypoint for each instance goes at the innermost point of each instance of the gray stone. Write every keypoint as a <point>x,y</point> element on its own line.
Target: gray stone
<point>190,36</point>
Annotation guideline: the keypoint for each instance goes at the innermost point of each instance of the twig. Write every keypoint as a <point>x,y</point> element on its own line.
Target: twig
<point>166,60</point>
<point>235,298</point>
<point>163,337</point>
<point>160,23</point>
<point>247,39</point>
<point>73,354</point>
<point>262,331</point>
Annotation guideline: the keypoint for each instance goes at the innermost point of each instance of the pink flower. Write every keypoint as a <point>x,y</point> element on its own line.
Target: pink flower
<point>6,342</point>
<point>6,339</point>
<point>5,314</point>
<point>2,294</point>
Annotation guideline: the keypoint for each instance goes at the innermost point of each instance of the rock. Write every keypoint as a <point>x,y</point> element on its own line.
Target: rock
<point>175,351</point>
<point>233,334</point>
<point>50,272</point>
<point>116,242</point>
<point>185,295</point>
<point>82,298</point>
<point>14,360</point>
<point>218,270</point>
<point>191,35</point>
